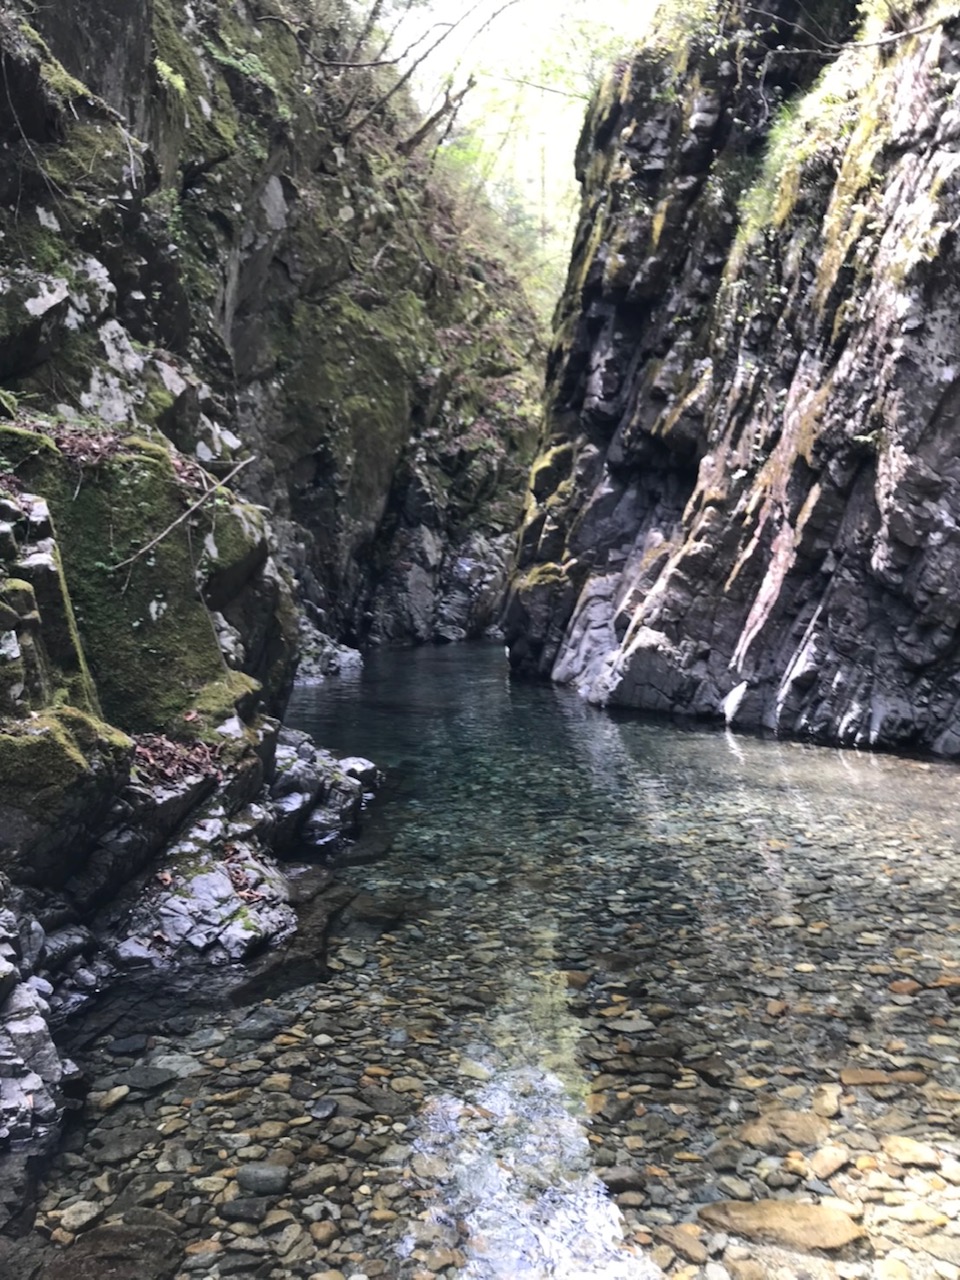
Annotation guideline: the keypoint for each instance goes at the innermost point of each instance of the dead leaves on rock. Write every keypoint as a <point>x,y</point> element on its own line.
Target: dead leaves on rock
<point>158,759</point>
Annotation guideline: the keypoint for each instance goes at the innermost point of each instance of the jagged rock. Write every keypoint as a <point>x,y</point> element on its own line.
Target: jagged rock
<point>747,503</point>
<point>216,904</point>
<point>321,656</point>
<point>9,977</point>
<point>363,771</point>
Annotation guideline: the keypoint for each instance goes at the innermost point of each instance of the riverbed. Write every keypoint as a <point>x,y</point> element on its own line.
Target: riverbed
<point>614,998</point>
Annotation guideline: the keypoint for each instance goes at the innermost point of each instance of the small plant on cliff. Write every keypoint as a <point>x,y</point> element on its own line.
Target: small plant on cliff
<point>242,61</point>
<point>764,202</point>
<point>170,78</point>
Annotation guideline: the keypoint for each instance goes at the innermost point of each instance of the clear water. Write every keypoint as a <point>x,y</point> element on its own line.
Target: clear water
<point>544,837</point>
<point>593,949</point>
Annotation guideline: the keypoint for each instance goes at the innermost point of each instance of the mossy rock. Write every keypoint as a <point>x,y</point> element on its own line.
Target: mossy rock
<point>351,387</point>
<point>235,548</point>
<point>50,620</point>
<point>232,694</point>
<point>550,469</point>
<point>59,772</point>
<point>146,633</point>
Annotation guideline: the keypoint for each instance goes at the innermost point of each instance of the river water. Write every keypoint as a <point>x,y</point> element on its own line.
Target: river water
<point>607,974</point>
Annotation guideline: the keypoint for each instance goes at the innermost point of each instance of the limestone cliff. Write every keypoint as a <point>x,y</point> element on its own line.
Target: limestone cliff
<point>748,498</point>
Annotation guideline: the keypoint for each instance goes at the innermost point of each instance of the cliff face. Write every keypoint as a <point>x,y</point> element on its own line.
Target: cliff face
<point>747,499</point>
<point>215,231</point>
<point>225,269</point>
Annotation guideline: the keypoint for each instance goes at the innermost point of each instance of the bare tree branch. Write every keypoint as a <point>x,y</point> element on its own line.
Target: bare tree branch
<point>833,46</point>
<point>180,519</point>
<point>373,17</point>
<point>545,88</point>
<point>401,81</point>
<point>449,107</point>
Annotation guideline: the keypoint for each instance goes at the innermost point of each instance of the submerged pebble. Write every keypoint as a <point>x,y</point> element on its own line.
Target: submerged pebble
<point>623,1000</point>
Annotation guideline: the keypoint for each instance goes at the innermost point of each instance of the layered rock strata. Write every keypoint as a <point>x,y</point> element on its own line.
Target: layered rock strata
<point>747,499</point>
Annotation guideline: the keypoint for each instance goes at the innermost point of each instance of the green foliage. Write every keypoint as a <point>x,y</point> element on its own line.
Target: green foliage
<point>166,203</point>
<point>170,78</point>
<point>886,13</point>
<point>676,23</point>
<point>242,61</point>
<point>764,203</point>
<point>497,219</point>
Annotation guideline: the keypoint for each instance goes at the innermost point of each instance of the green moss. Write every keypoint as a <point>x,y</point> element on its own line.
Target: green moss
<point>92,156</point>
<point>26,240</point>
<point>242,61</point>
<point>170,78</point>
<point>548,575</point>
<point>549,468</point>
<point>43,758</point>
<point>19,595</point>
<point>90,733</point>
<point>54,75</point>
<point>66,375</point>
<point>21,445</point>
<point>157,400</point>
<point>206,137</point>
<point>351,384</point>
<point>147,448</point>
<point>146,634</point>
<point>216,702</point>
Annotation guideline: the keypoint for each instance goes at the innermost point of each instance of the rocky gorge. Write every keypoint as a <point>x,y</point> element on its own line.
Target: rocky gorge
<point>585,997</point>
<point>267,393</point>
<point>686,1008</point>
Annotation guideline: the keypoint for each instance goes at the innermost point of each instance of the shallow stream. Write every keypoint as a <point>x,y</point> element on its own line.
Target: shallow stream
<point>609,973</point>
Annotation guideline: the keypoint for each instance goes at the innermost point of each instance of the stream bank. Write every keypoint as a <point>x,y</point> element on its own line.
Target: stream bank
<point>268,384</point>
<point>621,998</point>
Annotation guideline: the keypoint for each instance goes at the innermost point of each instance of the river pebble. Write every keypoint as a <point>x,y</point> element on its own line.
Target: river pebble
<point>697,1017</point>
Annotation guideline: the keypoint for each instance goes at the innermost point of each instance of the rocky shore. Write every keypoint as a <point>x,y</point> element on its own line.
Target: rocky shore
<point>185,873</point>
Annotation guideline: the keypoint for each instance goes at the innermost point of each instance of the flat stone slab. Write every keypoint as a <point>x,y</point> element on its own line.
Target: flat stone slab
<point>908,1151</point>
<point>800,1226</point>
<point>120,1253</point>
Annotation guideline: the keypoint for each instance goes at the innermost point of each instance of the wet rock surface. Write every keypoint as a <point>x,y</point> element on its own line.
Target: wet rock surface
<point>622,1001</point>
<point>184,877</point>
<point>746,501</point>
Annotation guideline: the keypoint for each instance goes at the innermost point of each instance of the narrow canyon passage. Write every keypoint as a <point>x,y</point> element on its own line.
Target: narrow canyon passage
<point>615,999</point>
